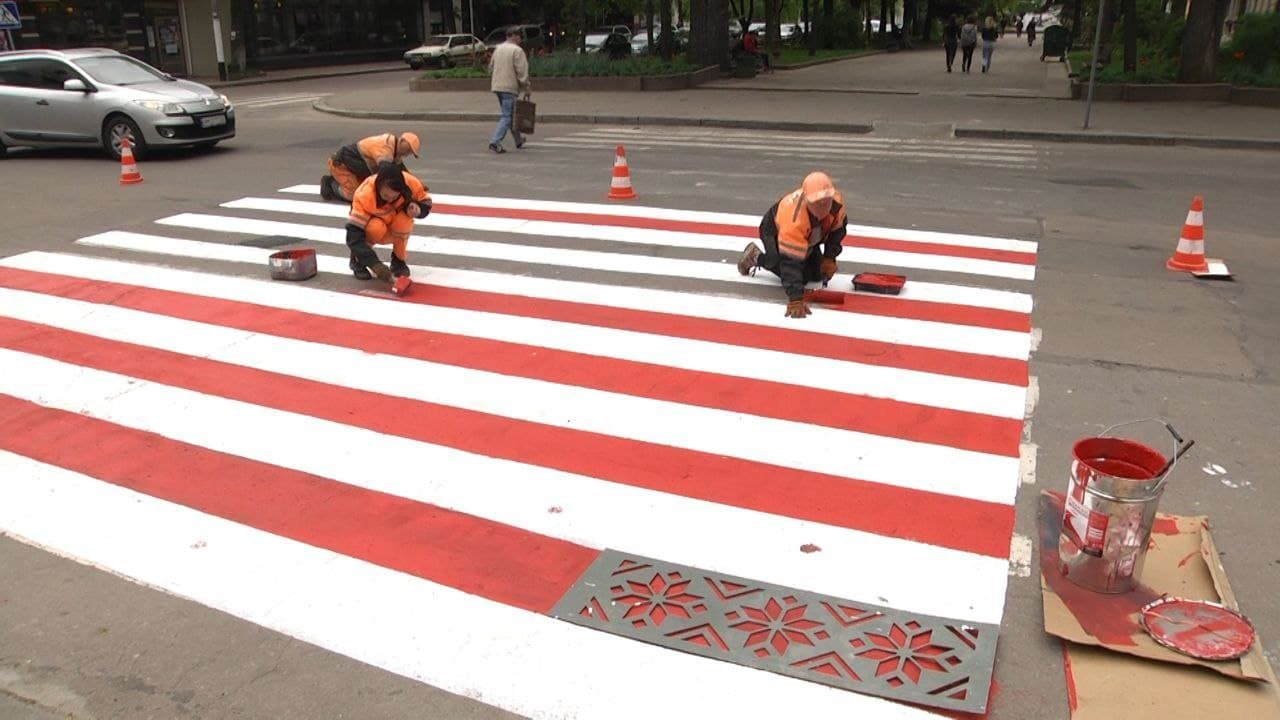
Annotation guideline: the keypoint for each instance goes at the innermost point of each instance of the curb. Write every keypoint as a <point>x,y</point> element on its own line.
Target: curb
<point>297,78</point>
<point>824,61</point>
<point>1120,139</point>
<point>583,119</point>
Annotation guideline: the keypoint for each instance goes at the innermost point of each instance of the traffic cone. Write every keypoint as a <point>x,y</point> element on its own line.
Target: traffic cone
<point>129,174</point>
<point>1189,257</point>
<point>620,187</point>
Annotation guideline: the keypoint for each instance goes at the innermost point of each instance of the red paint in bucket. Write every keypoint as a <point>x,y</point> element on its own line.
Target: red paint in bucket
<point>1117,457</point>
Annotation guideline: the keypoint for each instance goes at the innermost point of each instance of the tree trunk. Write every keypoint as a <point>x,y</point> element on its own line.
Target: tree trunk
<point>1199,59</point>
<point>709,32</point>
<point>772,11</point>
<point>930,14</point>
<point>648,24</point>
<point>884,16</point>
<point>1108,30</point>
<point>1130,35</point>
<point>1178,8</point>
<point>446,15</point>
<point>666,41</point>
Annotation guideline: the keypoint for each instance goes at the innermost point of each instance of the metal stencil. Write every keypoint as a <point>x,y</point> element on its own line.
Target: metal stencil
<point>850,645</point>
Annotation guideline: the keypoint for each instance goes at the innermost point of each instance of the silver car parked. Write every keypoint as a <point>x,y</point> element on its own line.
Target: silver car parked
<point>96,96</point>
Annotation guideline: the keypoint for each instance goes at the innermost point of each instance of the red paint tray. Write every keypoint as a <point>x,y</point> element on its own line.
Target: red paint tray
<point>879,283</point>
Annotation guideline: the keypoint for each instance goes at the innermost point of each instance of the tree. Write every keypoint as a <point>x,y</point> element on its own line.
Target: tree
<point>709,32</point>
<point>1130,35</point>
<point>1198,62</point>
<point>667,40</point>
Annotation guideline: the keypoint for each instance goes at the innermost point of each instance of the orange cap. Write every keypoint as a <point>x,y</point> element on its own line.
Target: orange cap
<point>411,139</point>
<point>816,186</point>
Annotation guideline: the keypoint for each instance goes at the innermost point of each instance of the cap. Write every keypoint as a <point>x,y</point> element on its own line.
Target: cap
<point>411,139</point>
<point>817,186</point>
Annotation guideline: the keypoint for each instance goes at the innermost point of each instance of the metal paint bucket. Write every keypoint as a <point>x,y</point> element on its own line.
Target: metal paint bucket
<point>292,264</point>
<point>1112,493</point>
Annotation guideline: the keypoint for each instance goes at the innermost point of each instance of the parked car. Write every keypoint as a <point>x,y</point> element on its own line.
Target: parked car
<point>622,30</point>
<point>444,51</point>
<point>95,96</point>
<point>534,42</point>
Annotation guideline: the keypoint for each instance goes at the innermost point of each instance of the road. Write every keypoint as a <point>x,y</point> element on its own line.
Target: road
<point>1116,337</point>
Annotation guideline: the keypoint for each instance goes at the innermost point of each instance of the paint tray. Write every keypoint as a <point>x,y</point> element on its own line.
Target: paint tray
<point>882,283</point>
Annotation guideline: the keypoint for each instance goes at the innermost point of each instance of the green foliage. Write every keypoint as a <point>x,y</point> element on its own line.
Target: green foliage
<point>845,30</point>
<point>1256,41</point>
<point>797,55</point>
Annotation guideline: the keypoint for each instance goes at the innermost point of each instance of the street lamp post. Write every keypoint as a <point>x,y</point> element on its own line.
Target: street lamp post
<point>471,5</point>
<point>1093,61</point>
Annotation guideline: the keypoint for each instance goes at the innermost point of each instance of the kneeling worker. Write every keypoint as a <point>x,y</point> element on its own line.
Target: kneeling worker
<point>351,164</point>
<point>382,213</point>
<point>802,235</point>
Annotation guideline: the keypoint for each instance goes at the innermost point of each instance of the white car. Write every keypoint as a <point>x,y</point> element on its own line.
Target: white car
<point>445,51</point>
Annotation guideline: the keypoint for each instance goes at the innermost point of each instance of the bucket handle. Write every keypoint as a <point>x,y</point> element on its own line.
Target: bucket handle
<point>1180,446</point>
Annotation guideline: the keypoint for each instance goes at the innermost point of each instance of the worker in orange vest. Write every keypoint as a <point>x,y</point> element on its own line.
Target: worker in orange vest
<point>352,164</point>
<point>803,234</point>
<point>382,213</point>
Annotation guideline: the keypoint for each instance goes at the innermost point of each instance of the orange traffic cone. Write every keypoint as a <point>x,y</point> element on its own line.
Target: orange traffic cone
<point>129,174</point>
<point>620,187</point>
<point>1189,257</point>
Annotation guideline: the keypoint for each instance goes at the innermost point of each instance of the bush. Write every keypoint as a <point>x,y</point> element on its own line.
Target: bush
<point>573,64</point>
<point>1256,41</point>
<point>845,30</point>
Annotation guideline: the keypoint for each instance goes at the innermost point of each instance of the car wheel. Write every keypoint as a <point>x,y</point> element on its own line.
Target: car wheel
<point>446,62</point>
<point>415,64</point>
<point>3,150</point>
<point>115,130</point>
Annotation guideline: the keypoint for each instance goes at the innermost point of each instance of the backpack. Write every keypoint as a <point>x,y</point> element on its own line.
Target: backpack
<point>969,34</point>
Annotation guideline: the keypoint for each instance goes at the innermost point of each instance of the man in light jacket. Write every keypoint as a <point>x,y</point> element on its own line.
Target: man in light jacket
<point>509,74</point>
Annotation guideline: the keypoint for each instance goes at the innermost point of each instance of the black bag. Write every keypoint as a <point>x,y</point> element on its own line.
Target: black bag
<point>526,116</point>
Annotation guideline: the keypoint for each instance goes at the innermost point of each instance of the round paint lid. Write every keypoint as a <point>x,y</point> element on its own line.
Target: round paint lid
<point>1199,628</point>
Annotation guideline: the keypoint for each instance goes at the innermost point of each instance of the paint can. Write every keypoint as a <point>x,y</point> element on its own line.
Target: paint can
<point>292,264</point>
<point>1113,490</point>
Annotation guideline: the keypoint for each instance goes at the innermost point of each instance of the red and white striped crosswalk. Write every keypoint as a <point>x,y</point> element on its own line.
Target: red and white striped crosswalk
<point>415,483</point>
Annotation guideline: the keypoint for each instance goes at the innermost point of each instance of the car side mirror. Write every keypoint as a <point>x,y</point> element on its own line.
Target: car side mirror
<point>76,85</point>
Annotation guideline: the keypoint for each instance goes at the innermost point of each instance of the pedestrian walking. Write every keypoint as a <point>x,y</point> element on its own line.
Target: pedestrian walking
<point>968,41</point>
<point>1031,32</point>
<point>509,75</point>
<point>1017,25</point>
<point>951,39</point>
<point>989,34</point>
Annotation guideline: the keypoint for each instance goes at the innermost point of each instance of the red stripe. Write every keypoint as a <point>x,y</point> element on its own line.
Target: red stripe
<point>1009,256</point>
<point>478,556</point>
<point>712,228</point>
<point>936,519</point>
<point>814,405</point>
<point>933,311</point>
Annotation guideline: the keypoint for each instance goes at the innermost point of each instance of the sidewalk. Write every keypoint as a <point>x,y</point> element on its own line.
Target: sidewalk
<point>903,94</point>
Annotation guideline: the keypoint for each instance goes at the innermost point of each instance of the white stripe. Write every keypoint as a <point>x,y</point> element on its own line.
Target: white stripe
<point>620,182</point>
<point>1195,217</point>
<point>834,151</point>
<point>921,333</point>
<point>594,513</point>
<point>908,386</point>
<point>805,145</point>
<point>790,444</point>
<point>640,211</point>
<point>787,139</point>
<point>1193,247</point>
<point>276,103</point>
<point>661,238</point>
<point>523,662</point>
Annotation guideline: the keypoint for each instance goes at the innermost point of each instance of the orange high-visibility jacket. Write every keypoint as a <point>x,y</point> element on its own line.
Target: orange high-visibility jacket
<point>364,157</point>
<point>796,231</point>
<point>366,204</point>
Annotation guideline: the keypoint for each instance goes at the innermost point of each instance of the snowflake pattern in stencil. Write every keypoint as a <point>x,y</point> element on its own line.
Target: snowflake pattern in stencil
<point>776,626</point>
<point>843,643</point>
<point>656,600</point>
<point>903,653</point>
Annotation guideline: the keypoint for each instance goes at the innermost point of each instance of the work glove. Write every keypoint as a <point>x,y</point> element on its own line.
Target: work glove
<point>798,309</point>
<point>380,271</point>
<point>828,269</point>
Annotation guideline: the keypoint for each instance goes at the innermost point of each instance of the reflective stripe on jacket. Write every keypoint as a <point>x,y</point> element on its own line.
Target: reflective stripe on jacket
<point>796,231</point>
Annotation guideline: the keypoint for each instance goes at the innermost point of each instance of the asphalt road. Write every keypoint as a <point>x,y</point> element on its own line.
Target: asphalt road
<point>1121,339</point>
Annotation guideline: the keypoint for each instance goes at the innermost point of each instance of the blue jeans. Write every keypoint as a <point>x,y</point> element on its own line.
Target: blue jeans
<point>506,101</point>
<point>988,47</point>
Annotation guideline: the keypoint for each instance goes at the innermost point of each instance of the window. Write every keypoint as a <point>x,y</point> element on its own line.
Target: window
<point>119,70</point>
<point>41,73</point>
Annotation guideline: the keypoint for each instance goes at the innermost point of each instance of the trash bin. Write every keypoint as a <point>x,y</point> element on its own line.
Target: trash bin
<point>1054,43</point>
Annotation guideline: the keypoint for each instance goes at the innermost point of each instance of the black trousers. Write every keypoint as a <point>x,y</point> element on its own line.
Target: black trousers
<point>968,57</point>
<point>951,54</point>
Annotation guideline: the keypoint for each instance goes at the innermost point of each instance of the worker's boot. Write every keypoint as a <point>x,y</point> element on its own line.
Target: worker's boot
<point>749,260</point>
<point>361,272</point>
<point>326,188</point>
<point>399,268</point>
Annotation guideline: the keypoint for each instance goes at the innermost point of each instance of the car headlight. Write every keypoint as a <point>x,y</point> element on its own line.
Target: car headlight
<point>160,106</point>
<point>226,101</point>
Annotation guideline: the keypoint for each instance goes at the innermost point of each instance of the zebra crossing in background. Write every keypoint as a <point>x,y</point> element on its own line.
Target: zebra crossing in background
<point>842,147</point>
<point>419,483</point>
<point>278,100</point>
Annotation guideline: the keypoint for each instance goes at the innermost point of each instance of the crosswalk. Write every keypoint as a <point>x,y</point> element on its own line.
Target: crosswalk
<point>279,100</point>
<point>844,148</point>
<point>422,484</point>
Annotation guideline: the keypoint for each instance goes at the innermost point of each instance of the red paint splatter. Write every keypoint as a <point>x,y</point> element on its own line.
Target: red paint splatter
<point>1165,526</point>
<point>1187,559</point>
<point>1112,619</point>
<point>809,548</point>
<point>555,509</point>
<point>1072,701</point>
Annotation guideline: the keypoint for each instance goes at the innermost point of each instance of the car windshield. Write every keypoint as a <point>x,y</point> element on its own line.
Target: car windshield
<point>436,40</point>
<point>118,70</point>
